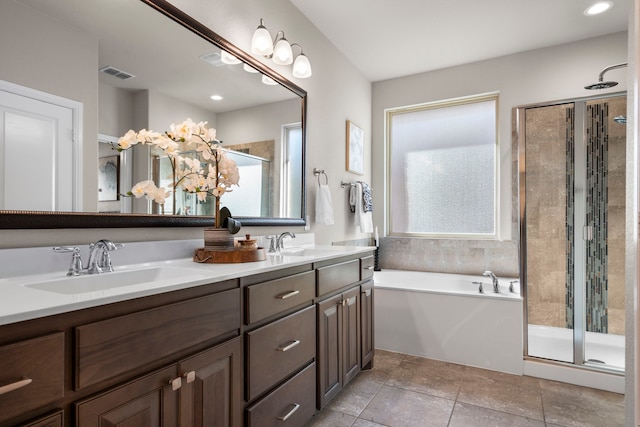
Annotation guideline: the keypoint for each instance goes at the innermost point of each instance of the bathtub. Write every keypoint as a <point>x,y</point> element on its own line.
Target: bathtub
<point>445,317</point>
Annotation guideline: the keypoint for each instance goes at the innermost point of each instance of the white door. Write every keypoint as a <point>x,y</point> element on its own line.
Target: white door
<point>36,154</point>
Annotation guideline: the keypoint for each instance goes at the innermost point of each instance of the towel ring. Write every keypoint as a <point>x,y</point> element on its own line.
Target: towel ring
<point>317,172</point>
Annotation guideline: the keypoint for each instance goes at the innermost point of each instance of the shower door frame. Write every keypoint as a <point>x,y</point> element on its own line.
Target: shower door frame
<point>579,224</point>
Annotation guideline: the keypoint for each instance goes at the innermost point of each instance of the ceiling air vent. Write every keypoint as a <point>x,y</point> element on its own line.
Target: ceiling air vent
<point>112,71</point>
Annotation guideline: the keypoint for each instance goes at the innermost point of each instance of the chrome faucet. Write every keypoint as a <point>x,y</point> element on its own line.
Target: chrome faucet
<point>99,258</point>
<point>280,239</point>
<point>494,280</point>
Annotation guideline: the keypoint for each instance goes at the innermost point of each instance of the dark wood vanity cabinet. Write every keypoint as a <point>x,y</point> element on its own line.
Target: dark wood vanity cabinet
<point>280,336</point>
<point>366,324</point>
<point>345,325</point>
<point>169,359</point>
<point>261,350</point>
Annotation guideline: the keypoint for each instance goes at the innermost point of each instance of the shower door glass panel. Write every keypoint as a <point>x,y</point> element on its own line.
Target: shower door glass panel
<point>605,142</point>
<point>574,231</point>
<point>548,233</point>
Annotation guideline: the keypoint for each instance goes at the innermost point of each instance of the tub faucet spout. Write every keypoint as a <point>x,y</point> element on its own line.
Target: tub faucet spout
<point>494,280</point>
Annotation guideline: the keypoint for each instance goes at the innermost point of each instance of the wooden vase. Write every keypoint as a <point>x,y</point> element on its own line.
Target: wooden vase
<point>218,239</point>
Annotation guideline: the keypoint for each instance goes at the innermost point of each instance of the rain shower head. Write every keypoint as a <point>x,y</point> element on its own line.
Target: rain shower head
<point>602,84</point>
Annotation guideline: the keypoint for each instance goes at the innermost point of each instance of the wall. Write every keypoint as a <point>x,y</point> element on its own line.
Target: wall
<point>261,123</point>
<point>549,74</point>
<point>337,92</point>
<point>68,56</point>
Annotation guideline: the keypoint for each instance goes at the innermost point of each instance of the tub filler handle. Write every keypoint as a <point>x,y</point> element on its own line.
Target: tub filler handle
<point>511,283</point>
<point>480,289</point>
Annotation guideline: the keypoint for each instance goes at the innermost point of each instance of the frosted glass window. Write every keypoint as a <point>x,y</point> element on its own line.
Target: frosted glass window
<point>442,160</point>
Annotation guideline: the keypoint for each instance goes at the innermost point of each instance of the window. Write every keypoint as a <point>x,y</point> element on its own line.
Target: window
<point>443,168</point>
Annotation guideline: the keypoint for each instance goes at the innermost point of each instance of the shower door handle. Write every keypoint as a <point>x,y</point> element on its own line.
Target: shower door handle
<point>587,232</point>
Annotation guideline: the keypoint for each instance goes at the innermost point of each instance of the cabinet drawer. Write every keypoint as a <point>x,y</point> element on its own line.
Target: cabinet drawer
<point>292,404</point>
<point>278,349</point>
<point>31,374</point>
<point>275,296</point>
<point>115,346</point>
<point>333,277</point>
<point>366,268</point>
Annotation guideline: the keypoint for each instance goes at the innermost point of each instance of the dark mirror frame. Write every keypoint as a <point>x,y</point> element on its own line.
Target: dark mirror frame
<point>43,220</point>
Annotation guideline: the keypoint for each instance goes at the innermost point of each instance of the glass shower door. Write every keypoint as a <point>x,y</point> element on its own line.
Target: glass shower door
<point>548,146</point>
<point>573,231</point>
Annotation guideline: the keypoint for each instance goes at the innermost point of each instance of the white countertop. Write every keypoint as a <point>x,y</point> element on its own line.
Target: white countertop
<point>20,301</point>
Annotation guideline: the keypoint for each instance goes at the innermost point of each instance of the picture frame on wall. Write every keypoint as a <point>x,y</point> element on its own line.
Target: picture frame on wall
<point>355,148</point>
<point>108,182</point>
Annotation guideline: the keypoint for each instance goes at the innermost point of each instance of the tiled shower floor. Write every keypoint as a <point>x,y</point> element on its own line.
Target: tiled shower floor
<point>406,391</point>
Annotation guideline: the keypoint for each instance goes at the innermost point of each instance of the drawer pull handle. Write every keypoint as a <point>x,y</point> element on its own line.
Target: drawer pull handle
<point>291,412</point>
<point>287,294</point>
<point>370,267</point>
<point>176,383</point>
<point>289,346</point>
<point>190,376</point>
<point>367,292</point>
<point>14,386</point>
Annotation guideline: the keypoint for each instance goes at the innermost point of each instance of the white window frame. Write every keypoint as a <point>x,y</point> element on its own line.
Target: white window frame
<point>389,113</point>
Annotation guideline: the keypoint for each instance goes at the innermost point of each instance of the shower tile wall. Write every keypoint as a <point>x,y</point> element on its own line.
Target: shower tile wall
<point>616,172</point>
<point>548,207</point>
<point>546,219</point>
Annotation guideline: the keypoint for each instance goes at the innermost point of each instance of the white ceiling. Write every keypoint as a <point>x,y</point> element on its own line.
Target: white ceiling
<point>392,38</point>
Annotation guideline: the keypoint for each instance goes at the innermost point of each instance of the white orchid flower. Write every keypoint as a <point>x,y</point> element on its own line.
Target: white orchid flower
<point>128,140</point>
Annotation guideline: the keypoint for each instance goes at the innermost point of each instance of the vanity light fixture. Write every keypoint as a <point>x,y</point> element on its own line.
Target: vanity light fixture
<point>261,43</point>
<point>597,8</point>
<point>227,58</point>
<point>301,66</point>
<point>249,69</point>
<point>280,51</point>
<point>268,80</point>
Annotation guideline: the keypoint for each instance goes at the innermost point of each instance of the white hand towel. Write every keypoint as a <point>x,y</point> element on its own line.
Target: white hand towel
<point>324,205</point>
<point>363,219</point>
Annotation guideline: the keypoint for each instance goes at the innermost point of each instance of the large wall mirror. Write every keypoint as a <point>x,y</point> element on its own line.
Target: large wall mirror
<point>117,65</point>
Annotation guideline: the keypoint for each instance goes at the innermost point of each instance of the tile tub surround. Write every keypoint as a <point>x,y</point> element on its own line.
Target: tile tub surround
<point>450,256</point>
<point>405,391</point>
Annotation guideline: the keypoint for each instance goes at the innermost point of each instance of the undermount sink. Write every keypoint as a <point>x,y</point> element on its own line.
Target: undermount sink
<point>304,252</point>
<point>99,282</point>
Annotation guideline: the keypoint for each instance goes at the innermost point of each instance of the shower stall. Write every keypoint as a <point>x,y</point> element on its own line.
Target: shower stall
<point>572,226</point>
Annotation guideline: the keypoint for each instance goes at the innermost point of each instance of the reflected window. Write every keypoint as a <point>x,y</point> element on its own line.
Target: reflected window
<point>292,169</point>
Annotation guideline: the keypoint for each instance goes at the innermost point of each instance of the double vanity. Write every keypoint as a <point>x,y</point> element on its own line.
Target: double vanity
<point>173,342</point>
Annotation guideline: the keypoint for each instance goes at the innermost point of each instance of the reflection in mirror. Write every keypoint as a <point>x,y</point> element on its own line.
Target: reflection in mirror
<point>149,77</point>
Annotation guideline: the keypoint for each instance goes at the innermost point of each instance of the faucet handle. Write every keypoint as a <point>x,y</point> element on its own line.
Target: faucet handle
<point>272,245</point>
<point>105,262</point>
<point>75,269</point>
<point>511,283</point>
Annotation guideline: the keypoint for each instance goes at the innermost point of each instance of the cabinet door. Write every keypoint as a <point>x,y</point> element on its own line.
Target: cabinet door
<point>53,420</point>
<point>350,334</point>
<point>145,402</point>
<point>329,349</point>
<point>211,392</point>
<point>366,308</point>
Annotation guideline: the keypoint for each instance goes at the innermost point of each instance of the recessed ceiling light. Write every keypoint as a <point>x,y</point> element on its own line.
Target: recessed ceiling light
<point>599,7</point>
<point>217,97</point>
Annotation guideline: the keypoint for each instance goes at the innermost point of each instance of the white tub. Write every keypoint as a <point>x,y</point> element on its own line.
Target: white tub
<point>444,317</point>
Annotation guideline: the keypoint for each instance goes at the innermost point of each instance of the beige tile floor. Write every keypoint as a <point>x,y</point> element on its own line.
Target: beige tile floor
<point>406,391</point>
